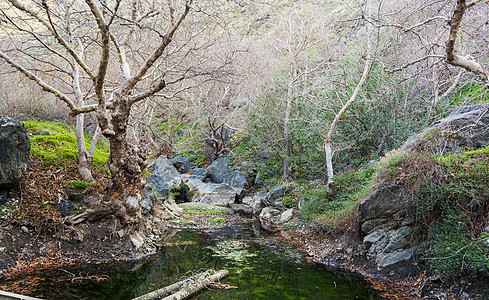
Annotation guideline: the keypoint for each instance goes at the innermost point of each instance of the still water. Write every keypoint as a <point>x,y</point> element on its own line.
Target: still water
<point>257,271</point>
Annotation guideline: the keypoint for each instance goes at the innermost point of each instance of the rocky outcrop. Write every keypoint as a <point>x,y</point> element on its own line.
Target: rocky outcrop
<point>14,152</point>
<point>385,216</point>
<point>466,128</point>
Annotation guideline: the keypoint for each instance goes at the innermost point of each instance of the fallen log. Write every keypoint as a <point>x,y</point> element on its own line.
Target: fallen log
<point>190,290</point>
<point>163,292</point>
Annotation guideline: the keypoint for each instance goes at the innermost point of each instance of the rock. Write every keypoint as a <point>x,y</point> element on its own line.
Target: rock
<point>14,151</point>
<point>242,209</point>
<point>24,229</point>
<point>156,189</point>
<point>247,201</point>
<point>258,202</point>
<point>395,257</point>
<point>132,202</point>
<point>399,239</point>
<point>136,240</point>
<point>65,208</point>
<point>75,196</point>
<point>182,164</point>
<point>266,213</point>
<point>220,172</point>
<point>373,237</point>
<point>287,215</point>
<point>384,202</point>
<point>211,193</point>
<point>465,128</point>
<point>219,169</point>
<point>277,193</point>
<point>163,167</point>
<point>199,174</point>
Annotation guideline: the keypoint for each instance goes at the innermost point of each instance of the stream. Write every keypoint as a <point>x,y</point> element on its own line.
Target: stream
<point>259,269</point>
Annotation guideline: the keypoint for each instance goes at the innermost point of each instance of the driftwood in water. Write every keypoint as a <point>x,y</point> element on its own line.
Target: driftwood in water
<point>190,290</point>
<point>191,282</point>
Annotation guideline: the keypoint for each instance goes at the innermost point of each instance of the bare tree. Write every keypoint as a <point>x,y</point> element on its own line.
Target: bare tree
<point>141,76</point>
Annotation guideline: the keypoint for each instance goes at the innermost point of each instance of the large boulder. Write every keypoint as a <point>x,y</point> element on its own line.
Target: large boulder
<point>465,128</point>
<point>165,169</point>
<point>14,151</point>
<point>211,193</point>
<point>221,172</point>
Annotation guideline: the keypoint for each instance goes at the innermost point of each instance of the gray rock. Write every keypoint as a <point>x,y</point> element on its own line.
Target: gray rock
<point>277,193</point>
<point>199,174</point>
<point>258,202</point>
<point>266,212</point>
<point>65,208</point>
<point>220,172</point>
<point>247,201</point>
<point>24,229</point>
<point>373,237</point>
<point>182,164</point>
<point>242,209</point>
<point>219,169</point>
<point>384,202</point>
<point>395,257</point>
<point>398,239</point>
<point>467,128</point>
<point>287,215</point>
<point>75,196</point>
<point>14,151</point>
<point>163,167</point>
<point>211,193</point>
<point>156,189</point>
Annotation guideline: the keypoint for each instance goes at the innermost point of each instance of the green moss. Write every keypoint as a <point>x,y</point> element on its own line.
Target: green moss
<point>78,184</point>
<point>60,148</point>
<point>470,93</point>
<point>51,127</point>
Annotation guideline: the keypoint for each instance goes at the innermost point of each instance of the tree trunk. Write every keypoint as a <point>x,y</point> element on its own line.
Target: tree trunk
<point>126,163</point>
<point>84,158</point>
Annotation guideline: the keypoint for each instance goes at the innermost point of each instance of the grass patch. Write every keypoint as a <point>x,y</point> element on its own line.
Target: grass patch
<point>337,210</point>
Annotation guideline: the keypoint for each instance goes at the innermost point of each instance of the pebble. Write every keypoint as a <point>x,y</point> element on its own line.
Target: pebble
<point>24,229</point>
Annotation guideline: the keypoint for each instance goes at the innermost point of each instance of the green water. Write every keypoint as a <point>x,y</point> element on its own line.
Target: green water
<point>257,271</point>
